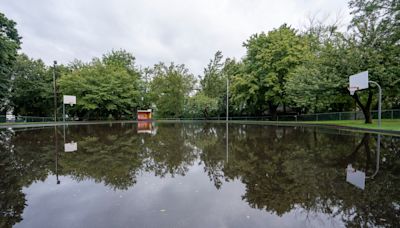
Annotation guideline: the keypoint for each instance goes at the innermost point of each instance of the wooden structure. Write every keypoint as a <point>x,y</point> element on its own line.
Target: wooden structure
<point>144,115</point>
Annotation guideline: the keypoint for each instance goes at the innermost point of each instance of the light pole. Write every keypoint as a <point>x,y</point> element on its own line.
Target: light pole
<point>227,118</point>
<point>227,99</point>
<point>379,102</point>
<point>55,94</point>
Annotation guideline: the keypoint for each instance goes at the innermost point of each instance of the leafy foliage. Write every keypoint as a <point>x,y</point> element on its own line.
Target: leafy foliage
<point>269,60</point>
<point>201,105</point>
<point>170,88</point>
<point>10,42</point>
<point>31,87</point>
<point>104,87</point>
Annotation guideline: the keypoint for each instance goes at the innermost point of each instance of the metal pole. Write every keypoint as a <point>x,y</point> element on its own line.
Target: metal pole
<point>378,152</point>
<point>227,141</point>
<point>227,99</point>
<point>56,151</point>
<point>63,112</point>
<point>379,102</point>
<point>55,94</point>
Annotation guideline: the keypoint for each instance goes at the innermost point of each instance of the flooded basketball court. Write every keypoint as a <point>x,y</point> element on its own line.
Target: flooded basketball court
<point>197,175</point>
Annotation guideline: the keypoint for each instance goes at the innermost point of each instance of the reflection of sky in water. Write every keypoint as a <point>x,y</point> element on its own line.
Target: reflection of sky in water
<point>189,201</point>
<point>275,177</point>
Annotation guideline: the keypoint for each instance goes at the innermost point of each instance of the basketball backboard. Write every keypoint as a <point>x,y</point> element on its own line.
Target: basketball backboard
<point>70,147</point>
<point>69,99</point>
<point>355,177</point>
<point>359,81</point>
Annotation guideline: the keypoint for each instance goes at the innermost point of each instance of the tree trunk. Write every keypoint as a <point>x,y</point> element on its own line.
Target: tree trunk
<point>205,113</point>
<point>366,109</point>
<point>272,110</point>
<point>364,142</point>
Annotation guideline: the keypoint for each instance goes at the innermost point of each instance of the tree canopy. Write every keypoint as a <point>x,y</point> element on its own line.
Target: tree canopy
<point>104,87</point>
<point>284,71</point>
<point>10,42</point>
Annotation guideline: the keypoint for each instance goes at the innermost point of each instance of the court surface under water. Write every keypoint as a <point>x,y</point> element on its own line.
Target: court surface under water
<point>197,175</point>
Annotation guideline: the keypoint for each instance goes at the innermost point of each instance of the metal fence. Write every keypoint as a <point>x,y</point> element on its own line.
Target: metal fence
<point>386,114</point>
<point>25,119</point>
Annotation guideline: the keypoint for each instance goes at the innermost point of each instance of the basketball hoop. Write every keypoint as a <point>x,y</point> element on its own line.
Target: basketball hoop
<point>352,90</point>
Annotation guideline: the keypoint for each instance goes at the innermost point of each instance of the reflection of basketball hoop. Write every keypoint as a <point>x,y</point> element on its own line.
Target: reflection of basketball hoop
<point>352,89</point>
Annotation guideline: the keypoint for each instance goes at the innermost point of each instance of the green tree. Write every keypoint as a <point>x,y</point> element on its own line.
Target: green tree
<point>170,88</point>
<point>318,85</point>
<point>104,87</point>
<point>201,105</point>
<point>10,42</point>
<point>375,47</point>
<point>213,81</point>
<point>31,87</point>
<point>268,61</point>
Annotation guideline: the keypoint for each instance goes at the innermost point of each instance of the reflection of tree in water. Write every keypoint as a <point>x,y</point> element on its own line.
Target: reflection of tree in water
<point>122,154</point>
<point>169,152</point>
<point>113,155</point>
<point>210,139</point>
<point>12,200</point>
<point>20,165</point>
<point>282,168</point>
<point>286,168</point>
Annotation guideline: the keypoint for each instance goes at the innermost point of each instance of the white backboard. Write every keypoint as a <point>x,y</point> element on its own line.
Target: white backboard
<point>355,177</point>
<point>69,99</point>
<point>70,147</point>
<point>359,80</point>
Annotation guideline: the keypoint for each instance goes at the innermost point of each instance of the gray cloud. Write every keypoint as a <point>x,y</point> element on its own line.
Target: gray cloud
<point>188,32</point>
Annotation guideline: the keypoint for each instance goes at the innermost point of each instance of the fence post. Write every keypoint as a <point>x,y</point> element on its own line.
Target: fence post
<point>316,117</point>
<point>340,116</point>
<point>391,114</point>
<point>295,117</point>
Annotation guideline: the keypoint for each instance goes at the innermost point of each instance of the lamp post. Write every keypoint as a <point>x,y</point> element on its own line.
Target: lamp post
<point>227,99</point>
<point>54,90</point>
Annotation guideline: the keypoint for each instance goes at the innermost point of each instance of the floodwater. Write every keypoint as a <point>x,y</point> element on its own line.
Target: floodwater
<point>197,175</point>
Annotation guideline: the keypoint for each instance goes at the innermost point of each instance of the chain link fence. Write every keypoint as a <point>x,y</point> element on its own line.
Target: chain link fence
<point>386,114</point>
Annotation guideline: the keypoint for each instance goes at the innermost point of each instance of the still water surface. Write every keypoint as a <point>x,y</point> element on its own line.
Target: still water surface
<point>197,175</point>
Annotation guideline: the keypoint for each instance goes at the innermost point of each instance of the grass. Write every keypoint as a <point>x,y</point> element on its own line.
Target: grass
<point>393,125</point>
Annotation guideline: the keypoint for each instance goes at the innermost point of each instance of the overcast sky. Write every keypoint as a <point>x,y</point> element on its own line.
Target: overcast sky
<point>182,31</point>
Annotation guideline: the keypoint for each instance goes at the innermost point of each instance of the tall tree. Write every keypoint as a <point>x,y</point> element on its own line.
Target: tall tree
<point>268,61</point>
<point>213,83</point>
<point>170,88</point>
<point>104,87</point>
<point>375,43</point>
<point>10,42</point>
<point>31,87</point>
<point>318,84</point>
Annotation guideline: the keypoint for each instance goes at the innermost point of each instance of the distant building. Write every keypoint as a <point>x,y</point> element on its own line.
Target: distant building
<point>144,114</point>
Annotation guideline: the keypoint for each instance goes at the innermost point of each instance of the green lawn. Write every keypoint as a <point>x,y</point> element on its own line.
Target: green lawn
<point>393,125</point>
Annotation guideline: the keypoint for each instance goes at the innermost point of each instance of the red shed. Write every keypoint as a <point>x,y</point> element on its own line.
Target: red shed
<point>144,114</point>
